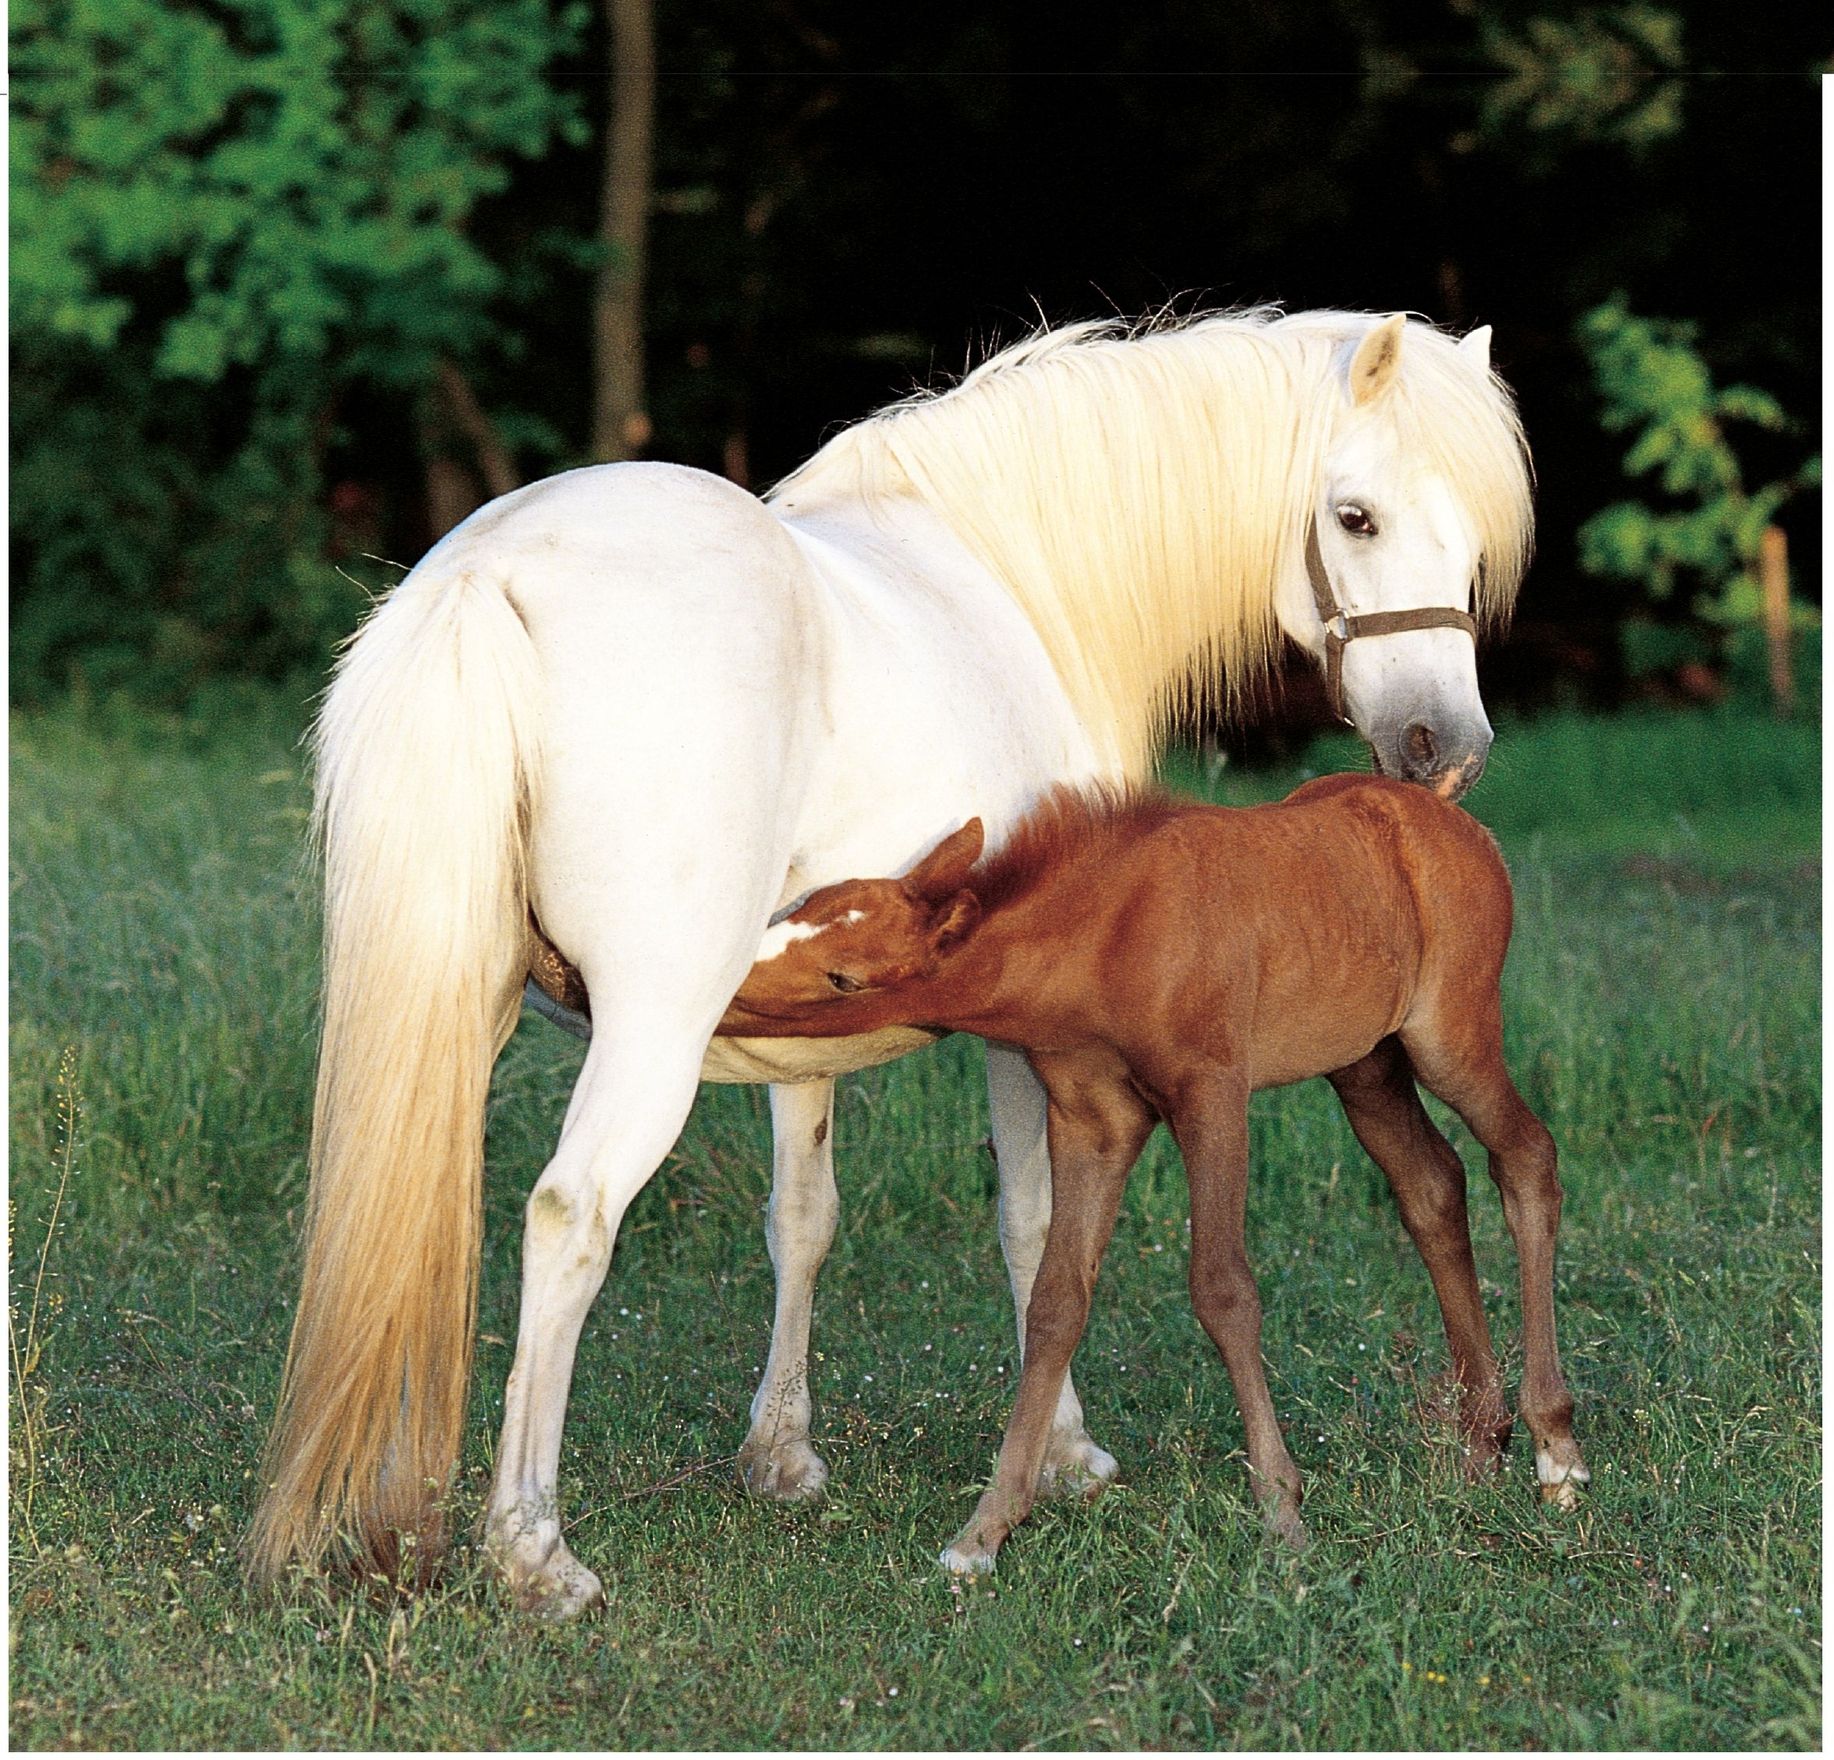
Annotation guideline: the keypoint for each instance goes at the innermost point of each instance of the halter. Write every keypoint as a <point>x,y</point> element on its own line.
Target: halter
<point>1341,628</point>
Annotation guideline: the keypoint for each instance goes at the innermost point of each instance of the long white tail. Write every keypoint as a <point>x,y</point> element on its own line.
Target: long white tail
<point>427,745</point>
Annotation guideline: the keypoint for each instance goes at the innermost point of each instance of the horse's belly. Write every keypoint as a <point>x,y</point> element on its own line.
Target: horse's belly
<point>807,1060</point>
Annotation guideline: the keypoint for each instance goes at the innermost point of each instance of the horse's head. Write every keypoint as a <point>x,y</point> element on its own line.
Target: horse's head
<point>856,939</point>
<point>1423,492</point>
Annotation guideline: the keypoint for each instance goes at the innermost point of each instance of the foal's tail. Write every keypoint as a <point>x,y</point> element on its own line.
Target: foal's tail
<point>426,747</point>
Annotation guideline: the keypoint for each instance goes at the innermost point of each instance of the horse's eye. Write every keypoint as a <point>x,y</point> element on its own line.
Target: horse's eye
<point>845,984</point>
<point>1355,521</point>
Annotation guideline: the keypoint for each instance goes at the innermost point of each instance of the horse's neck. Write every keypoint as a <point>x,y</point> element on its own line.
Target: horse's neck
<point>1138,529</point>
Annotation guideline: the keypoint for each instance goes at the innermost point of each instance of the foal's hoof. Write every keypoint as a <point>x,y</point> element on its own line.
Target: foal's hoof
<point>1484,1460</point>
<point>1287,1526</point>
<point>1561,1479</point>
<point>1075,1467</point>
<point>966,1556</point>
<point>784,1472</point>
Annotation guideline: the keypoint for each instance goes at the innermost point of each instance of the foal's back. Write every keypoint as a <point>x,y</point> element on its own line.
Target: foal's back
<point>1291,938</point>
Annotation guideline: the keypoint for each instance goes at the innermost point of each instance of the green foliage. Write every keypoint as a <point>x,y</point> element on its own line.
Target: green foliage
<point>1707,530</point>
<point>307,166</point>
<point>223,220</point>
<point>1605,74</point>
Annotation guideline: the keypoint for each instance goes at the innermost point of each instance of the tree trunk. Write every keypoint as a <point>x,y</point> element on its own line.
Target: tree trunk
<point>455,434</point>
<point>620,424</point>
<point>494,460</point>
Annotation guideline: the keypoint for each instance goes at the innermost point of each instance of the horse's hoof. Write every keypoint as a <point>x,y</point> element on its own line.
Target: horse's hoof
<point>966,1558</point>
<point>1075,1467</point>
<point>789,1472</point>
<point>559,1588</point>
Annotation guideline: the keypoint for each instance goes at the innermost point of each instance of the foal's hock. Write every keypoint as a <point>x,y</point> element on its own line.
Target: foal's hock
<point>1161,959</point>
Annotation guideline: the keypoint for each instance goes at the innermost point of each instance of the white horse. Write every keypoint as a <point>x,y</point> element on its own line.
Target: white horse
<point>654,711</point>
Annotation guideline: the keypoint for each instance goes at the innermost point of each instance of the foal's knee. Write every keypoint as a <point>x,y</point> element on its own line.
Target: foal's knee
<point>1526,1168</point>
<point>1224,1294</point>
<point>1434,1205</point>
<point>1057,1313</point>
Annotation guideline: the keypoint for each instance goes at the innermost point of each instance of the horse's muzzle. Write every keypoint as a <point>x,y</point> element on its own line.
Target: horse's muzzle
<point>1446,760</point>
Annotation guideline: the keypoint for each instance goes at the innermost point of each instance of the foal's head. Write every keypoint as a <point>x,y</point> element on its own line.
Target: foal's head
<point>859,936</point>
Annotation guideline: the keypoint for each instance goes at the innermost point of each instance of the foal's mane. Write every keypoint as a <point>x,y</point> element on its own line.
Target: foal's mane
<point>1072,825</point>
<point>1141,490</point>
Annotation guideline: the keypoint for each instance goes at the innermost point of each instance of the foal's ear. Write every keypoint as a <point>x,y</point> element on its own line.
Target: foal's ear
<point>1377,360</point>
<point>954,922</point>
<point>947,865</point>
<point>1475,346</point>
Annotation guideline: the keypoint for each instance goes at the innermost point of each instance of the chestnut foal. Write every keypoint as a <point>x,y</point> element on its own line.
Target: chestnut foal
<point>1157,958</point>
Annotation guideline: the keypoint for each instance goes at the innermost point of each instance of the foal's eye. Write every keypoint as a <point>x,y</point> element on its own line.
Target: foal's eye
<point>1355,521</point>
<point>845,984</point>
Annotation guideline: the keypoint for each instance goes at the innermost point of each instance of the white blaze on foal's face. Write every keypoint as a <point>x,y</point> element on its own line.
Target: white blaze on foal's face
<point>779,937</point>
<point>845,939</point>
<point>864,935</point>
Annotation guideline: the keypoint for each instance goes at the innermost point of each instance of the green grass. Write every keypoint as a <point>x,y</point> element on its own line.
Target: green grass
<point>1664,1003</point>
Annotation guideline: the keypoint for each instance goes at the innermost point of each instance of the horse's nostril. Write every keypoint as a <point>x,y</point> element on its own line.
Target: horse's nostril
<point>1419,749</point>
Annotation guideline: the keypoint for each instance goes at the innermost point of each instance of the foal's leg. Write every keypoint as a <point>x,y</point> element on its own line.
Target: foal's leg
<point>777,1459</point>
<point>1459,1056</point>
<point>1097,1128</point>
<point>1074,1465</point>
<point>1211,1125</point>
<point>1428,1179</point>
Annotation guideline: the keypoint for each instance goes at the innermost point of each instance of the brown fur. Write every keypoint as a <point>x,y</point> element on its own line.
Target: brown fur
<point>1161,959</point>
<point>555,974</point>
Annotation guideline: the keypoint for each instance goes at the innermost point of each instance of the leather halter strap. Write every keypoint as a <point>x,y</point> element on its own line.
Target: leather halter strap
<point>1341,628</point>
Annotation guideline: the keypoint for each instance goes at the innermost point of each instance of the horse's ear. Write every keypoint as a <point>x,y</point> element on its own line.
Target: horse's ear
<point>1377,360</point>
<point>1476,344</point>
<point>947,865</point>
<point>954,922</point>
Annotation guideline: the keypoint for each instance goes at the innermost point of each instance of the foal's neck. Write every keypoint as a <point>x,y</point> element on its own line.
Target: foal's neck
<point>1034,956</point>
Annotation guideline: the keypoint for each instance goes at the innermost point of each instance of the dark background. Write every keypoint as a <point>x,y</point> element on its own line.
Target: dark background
<point>850,202</point>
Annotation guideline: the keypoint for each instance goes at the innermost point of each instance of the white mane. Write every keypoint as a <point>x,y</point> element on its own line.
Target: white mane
<point>1140,490</point>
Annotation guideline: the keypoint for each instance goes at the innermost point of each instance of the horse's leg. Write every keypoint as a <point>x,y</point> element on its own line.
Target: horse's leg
<point>661,944</point>
<point>1211,1124</point>
<point>1097,1129</point>
<point>632,1099</point>
<point>1074,1465</point>
<point>1459,1056</point>
<point>777,1459</point>
<point>1428,1180</point>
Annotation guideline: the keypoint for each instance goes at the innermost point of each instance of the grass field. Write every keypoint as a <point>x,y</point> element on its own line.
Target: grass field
<point>1664,1019</point>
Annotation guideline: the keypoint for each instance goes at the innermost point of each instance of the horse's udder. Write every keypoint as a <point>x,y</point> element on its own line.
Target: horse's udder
<point>808,1060</point>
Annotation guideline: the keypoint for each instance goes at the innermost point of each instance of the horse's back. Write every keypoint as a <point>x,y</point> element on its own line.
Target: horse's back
<point>599,504</point>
